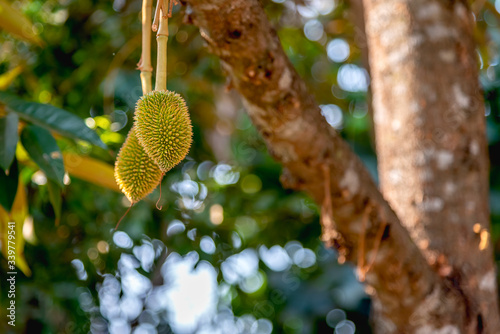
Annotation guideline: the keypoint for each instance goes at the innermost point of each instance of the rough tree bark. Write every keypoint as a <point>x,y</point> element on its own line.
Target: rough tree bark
<point>412,296</point>
<point>431,141</point>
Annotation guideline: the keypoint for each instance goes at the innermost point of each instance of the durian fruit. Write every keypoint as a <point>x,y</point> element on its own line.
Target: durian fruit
<point>136,174</point>
<point>163,127</point>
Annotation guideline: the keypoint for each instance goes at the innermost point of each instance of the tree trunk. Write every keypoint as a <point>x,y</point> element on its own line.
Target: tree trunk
<point>410,295</point>
<point>431,141</point>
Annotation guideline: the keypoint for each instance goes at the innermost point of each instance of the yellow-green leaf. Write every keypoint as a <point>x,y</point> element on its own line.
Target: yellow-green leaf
<point>17,24</point>
<point>17,214</point>
<point>90,170</point>
<point>7,78</point>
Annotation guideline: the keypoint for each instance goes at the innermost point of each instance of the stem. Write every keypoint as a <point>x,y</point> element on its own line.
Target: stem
<point>145,63</point>
<point>161,24</point>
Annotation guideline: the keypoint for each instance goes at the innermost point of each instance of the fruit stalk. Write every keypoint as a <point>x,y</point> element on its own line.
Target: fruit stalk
<point>145,63</point>
<point>160,25</point>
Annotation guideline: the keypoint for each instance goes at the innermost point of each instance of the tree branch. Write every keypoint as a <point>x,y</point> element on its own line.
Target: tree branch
<point>289,119</point>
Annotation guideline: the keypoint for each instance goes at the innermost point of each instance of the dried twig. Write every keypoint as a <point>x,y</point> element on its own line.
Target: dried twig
<point>376,246</point>
<point>362,240</point>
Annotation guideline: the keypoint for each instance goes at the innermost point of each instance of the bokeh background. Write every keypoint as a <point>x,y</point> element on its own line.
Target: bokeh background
<point>231,251</point>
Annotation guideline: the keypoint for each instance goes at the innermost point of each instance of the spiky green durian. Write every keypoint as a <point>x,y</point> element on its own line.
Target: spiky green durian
<point>163,127</point>
<point>136,174</point>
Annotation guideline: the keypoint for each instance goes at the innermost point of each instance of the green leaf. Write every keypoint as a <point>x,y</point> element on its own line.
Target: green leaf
<point>51,118</point>
<point>9,186</point>
<point>43,149</point>
<point>55,199</point>
<point>8,139</point>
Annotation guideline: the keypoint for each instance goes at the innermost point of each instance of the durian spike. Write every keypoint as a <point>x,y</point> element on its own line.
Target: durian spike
<point>163,127</point>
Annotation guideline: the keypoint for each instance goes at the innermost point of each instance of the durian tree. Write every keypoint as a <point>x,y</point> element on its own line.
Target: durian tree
<point>430,224</point>
<point>279,207</point>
